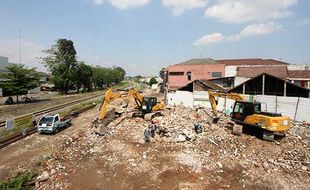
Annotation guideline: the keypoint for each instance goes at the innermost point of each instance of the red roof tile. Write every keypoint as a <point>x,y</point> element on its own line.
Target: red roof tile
<point>203,61</point>
<point>249,72</point>
<point>299,74</point>
<point>236,62</point>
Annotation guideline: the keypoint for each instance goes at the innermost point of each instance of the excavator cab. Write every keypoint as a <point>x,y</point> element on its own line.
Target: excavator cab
<point>148,103</point>
<point>242,109</point>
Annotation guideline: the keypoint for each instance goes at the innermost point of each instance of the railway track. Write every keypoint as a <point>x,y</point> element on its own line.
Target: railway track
<point>29,131</point>
<point>51,109</point>
<point>17,136</point>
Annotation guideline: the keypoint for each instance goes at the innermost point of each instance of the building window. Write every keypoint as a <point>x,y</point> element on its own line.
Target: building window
<point>176,73</point>
<point>216,74</point>
<point>189,76</point>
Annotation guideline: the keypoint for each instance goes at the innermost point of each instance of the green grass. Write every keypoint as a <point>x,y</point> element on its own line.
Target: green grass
<point>122,84</point>
<point>18,182</point>
<point>79,107</point>
<point>4,133</point>
<point>7,132</point>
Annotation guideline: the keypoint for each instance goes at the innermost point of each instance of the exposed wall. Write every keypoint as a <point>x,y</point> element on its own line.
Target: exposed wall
<point>180,98</point>
<point>201,98</point>
<point>197,72</point>
<point>239,80</point>
<point>230,71</point>
<point>287,106</point>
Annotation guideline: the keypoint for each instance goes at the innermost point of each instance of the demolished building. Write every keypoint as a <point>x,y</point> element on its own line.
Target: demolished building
<point>193,94</point>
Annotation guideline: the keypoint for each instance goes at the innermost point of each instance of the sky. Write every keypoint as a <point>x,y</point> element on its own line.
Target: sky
<point>143,36</point>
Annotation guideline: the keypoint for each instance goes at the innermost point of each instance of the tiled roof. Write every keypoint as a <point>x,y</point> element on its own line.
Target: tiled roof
<point>198,62</point>
<point>256,61</point>
<point>299,74</point>
<point>249,72</point>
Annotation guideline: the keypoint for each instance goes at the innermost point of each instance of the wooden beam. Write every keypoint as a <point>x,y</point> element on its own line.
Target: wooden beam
<point>243,88</point>
<point>263,86</point>
<point>284,88</point>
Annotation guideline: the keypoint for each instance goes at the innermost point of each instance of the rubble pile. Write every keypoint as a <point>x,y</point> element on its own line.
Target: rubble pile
<point>182,142</point>
<point>64,163</point>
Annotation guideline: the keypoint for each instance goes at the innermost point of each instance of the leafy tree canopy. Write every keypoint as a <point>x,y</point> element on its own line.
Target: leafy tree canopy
<point>152,81</point>
<point>19,80</point>
<point>61,62</point>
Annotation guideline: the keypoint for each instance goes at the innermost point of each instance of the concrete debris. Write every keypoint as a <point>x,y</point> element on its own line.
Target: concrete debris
<point>181,143</point>
<point>181,138</point>
<point>198,128</point>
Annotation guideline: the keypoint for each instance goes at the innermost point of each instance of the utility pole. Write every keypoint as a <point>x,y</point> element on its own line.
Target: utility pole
<point>20,45</point>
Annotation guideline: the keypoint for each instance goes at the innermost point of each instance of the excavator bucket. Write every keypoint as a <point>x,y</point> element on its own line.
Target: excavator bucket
<point>213,120</point>
<point>102,125</point>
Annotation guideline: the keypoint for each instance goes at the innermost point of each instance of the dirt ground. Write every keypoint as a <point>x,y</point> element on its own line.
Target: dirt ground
<point>44,100</point>
<point>77,158</point>
<point>35,147</point>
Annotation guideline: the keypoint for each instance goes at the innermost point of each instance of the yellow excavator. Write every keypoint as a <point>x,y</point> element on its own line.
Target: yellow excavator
<point>146,107</point>
<point>250,114</point>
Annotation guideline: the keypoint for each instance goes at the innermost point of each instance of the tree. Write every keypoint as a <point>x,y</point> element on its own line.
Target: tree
<point>61,62</point>
<point>137,78</point>
<point>19,80</point>
<point>83,76</point>
<point>101,77</point>
<point>119,73</point>
<point>104,77</point>
<point>152,81</point>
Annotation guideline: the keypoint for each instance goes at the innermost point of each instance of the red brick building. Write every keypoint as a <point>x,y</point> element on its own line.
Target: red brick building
<point>183,73</point>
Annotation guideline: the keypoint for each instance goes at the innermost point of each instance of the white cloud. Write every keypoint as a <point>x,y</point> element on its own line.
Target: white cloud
<point>128,4</point>
<point>303,22</point>
<point>209,38</point>
<point>180,6</point>
<point>98,2</point>
<point>239,11</point>
<point>30,52</point>
<point>256,30</point>
<point>249,31</point>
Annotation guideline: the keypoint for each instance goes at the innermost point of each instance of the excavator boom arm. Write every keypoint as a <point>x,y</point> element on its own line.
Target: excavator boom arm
<point>108,97</point>
<point>213,101</point>
<point>138,98</point>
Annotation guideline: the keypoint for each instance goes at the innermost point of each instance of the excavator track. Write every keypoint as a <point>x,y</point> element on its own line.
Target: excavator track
<point>268,135</point>
<point>150,116</point>
<point>237,129</point>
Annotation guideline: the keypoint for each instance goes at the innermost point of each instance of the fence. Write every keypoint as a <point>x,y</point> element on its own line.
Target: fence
<point>294,107</point>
